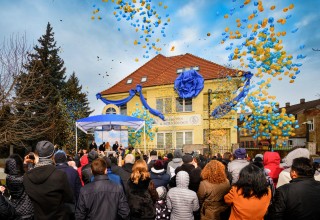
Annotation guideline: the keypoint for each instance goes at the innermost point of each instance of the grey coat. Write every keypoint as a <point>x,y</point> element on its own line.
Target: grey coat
<point>182,201</point>
<point>172,165</point>
<point>235,166</point>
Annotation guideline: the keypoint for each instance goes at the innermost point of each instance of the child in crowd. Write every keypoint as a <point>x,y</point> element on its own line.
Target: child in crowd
<point>162,211</point>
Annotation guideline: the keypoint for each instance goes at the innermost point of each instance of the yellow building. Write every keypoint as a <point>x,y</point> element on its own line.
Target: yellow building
<point>186,119</point>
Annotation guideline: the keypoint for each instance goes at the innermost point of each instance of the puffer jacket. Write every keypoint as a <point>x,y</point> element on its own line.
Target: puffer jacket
<point>271,161</point>
<point>235,166</point>
<point>211,199</point>
<point>182,201</point>
<point>19,198</point>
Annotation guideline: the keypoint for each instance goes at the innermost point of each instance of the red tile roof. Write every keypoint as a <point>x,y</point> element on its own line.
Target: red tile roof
<point>162,70</point>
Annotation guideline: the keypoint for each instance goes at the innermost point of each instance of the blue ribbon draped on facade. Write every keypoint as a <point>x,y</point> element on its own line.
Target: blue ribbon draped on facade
<point>226,107</point>
<point>132,93</point>
<point>189,84</point>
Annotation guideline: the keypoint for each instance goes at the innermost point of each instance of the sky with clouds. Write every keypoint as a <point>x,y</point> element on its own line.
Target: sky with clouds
<point>83,40</point>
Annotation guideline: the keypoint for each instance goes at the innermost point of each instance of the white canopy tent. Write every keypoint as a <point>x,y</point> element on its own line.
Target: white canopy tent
<point>89,124</point>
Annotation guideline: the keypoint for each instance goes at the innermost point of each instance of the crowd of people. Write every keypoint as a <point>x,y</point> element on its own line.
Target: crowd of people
<point>49,184</point>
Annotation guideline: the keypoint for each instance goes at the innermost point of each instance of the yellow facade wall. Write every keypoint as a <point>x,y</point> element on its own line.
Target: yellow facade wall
<point>222,130</point>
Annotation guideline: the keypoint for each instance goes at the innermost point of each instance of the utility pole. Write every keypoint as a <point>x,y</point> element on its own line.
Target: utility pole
<point>209,119</point>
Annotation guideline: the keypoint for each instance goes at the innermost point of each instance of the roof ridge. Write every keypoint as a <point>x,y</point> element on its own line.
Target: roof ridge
<point>133,72</point>
<point>316,100</point>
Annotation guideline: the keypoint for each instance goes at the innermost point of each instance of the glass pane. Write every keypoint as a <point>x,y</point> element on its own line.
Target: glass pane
<point>179,105</point>
<point>160,140</point>
<point>111,111</point>
<point>179,139</point>
<point>168,105</point>
<point>188,137</point>
<point>188,105</point>
<point>159,104</point>
<point>123,109</point>
<point>168,143</point>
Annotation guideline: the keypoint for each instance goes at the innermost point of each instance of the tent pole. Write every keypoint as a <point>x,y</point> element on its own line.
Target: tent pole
<point>76,139</point>
<point>144,137</point>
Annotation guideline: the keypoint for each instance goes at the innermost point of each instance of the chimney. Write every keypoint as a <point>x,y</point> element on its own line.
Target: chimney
<point>287,104</point>
<point>302,101</point>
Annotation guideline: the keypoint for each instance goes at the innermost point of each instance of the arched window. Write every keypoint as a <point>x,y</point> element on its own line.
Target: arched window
<point>111,111</point>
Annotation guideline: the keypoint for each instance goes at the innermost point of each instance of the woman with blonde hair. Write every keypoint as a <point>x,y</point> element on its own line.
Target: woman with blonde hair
<point>213,187</point>
<point>142,194</point>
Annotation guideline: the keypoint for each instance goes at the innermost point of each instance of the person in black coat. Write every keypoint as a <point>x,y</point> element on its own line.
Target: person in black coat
<point>299,199</point>
<point>14,181</point>
<point>93,145</point>
<point>60,159</point>
<point>194,174</point>
<point>142,194</point>
<point>159,175</point>
<point>7,211</point>
<point>86,173</point>
<point>102,199</point>
<point>125,171</point>
<point>47,187</point>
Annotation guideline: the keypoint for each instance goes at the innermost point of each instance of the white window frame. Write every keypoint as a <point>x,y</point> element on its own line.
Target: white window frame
<point>164,110</point>
<point>164,139</point>
<point>184,137</point>
<point>121,108</point>
<point>184,105</point>
<point>311,126</point>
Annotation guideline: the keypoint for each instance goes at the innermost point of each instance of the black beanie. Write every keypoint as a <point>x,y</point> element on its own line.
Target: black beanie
<point>45,149</point>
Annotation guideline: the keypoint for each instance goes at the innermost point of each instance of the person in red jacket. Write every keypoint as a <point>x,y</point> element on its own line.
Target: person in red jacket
<point>271,162</point>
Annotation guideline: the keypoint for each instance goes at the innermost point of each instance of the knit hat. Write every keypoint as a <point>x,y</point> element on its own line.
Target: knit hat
<point>60,157</point>
<point>92,155</point>
<point>162,192</point>
<point>45,149</point>
<point>240,153</point>
<point>187,158</point>
<point>158,165</point>
<point>177,153</point>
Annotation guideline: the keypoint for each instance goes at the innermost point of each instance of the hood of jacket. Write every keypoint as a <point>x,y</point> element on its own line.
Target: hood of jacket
<point>11,167</point>
<point>182,179</point>
<point>299,152</point>
<point>40,175</point>
<point>177,160</point>
<point>84,160</point>
<point>271,158</point>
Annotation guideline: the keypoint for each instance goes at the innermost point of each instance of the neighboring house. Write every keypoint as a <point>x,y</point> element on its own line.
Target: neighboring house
<point>186,119</point>
<point>308,116</point>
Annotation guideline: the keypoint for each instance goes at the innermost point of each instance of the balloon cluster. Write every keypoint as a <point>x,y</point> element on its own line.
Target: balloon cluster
<point>135,138</point>
<point>259,47</point>
<point>145,19</point>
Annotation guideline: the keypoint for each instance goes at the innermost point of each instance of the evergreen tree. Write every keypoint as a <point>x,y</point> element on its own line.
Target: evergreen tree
<point>49,71</point>
<point>75,105</point>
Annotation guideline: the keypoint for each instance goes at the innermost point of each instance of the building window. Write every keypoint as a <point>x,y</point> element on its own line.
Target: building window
<point>183,105</point>
<point>164,140</point>
<point>310,125</point>
<point>184,137</point>
<point>111,111</point>
<point>129,81</point>
<point>123,109</point>
<point>144,79</point>
<point>164,105</point>
<point>290,143</point>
